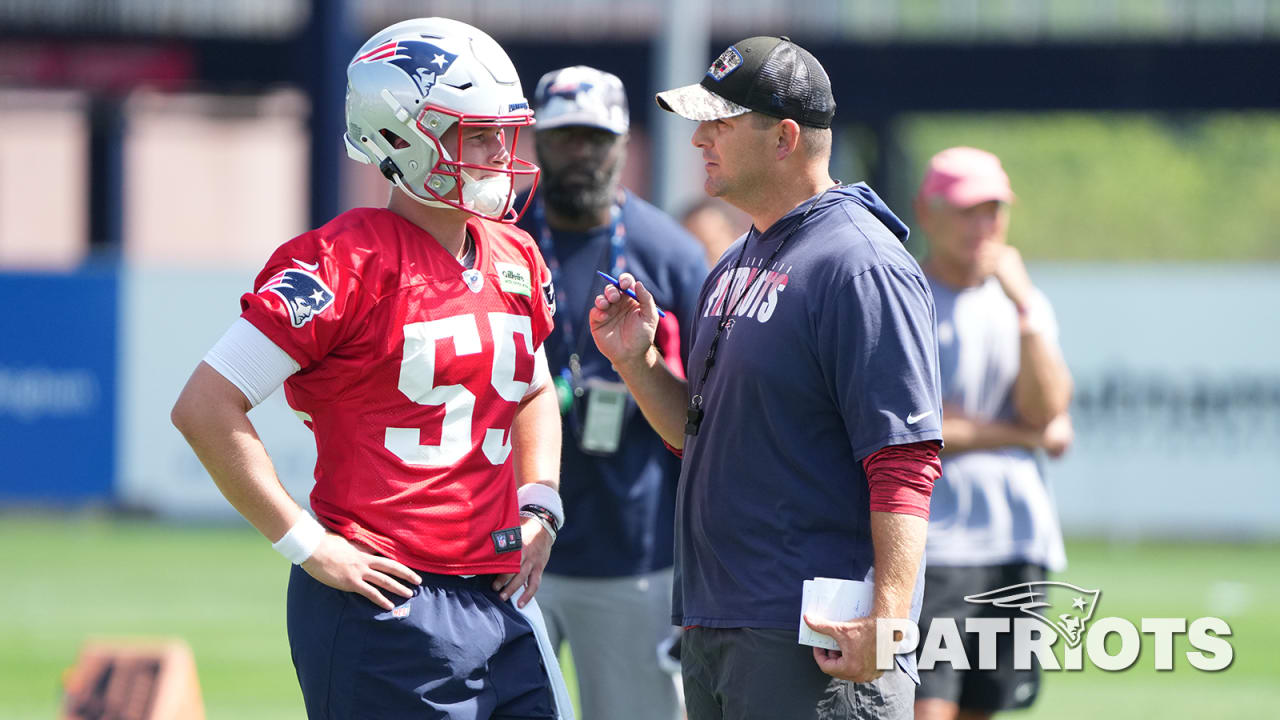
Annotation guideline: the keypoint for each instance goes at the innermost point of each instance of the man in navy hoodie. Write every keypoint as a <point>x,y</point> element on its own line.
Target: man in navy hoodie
<point>607,593</point>
<point>810,420</point>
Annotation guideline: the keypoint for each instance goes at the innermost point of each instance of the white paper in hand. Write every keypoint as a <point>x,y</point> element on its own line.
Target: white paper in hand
<point>833,599</point>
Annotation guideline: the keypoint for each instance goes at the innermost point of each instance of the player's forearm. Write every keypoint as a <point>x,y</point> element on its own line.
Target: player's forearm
<point>1043,388</point>
<point>899,545</point>
<point>212,415</point>
<point>962,434</point>
<point>661,395</point>
<point>535,439</point>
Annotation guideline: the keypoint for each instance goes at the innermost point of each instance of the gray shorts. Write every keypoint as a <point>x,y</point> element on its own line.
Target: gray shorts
<point>764,674</point>
<point>613,627</point>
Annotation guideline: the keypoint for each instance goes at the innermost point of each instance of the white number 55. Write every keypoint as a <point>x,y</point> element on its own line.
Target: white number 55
<point>418,383</point>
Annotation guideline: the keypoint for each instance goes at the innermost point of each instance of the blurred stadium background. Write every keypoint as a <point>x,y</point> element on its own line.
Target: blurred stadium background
<point>153,152</point>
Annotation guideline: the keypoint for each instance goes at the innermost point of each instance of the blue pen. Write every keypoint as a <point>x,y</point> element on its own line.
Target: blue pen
<point>631,294</point>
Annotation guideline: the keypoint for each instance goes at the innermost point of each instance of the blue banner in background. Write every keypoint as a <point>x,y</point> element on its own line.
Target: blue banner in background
<point>58,385</point>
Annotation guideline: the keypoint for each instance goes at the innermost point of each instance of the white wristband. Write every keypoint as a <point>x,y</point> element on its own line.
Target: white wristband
<point>301,541</point>
<point>543,495</point>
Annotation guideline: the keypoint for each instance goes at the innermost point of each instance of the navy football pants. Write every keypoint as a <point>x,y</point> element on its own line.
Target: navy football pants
<point>454,651</point>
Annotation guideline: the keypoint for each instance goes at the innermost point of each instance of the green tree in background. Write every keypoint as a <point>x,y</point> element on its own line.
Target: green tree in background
<point>1126,186</point>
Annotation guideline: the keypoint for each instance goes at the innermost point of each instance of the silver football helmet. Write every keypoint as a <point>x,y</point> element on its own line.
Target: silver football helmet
<point>408,85</point>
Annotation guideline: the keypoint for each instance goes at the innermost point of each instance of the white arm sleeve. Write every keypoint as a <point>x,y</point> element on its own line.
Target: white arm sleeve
<point>541,371</point>
<point>251,362</point>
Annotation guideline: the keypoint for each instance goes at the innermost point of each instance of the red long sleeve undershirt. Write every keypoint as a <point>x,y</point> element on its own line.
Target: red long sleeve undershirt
<point>901,477</point>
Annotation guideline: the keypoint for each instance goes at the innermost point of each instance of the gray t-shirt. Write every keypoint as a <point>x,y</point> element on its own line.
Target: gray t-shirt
<point>991,506</point>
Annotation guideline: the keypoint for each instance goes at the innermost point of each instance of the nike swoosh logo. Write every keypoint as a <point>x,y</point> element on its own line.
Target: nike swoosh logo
<point>308,266</point>
<point>913,419</point>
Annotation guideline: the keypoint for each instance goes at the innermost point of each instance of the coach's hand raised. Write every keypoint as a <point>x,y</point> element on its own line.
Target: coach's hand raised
<point>343,566</point>
<point>624,328</point>
<point>855,661</point>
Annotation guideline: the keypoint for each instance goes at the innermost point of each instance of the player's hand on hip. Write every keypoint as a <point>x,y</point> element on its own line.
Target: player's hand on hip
<point>534,554</point>
<point>624,328</point>
<point>341,565</point>
<point>855,661</point>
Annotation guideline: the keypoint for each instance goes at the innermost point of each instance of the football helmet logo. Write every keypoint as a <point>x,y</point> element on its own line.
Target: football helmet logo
<point>421,61</point>
<point>414,81</point>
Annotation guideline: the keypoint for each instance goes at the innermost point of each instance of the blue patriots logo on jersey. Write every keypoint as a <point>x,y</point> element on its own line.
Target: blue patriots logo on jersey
<point>422,61</point>
<point>304,294</point>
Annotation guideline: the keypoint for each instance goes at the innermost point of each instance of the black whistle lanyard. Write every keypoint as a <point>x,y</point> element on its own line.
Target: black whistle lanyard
<point>694,413</point>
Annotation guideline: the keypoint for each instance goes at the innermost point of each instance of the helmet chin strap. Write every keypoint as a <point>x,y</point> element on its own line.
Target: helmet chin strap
<point>393,173</point>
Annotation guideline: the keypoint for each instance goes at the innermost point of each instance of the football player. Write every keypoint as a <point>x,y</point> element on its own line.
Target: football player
<point>409,340</point>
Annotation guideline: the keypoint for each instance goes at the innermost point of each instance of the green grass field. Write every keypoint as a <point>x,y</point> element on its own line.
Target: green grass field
<point>66,579</point>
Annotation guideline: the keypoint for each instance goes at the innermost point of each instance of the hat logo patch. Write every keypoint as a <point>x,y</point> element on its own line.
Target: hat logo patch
<point>728,61</point>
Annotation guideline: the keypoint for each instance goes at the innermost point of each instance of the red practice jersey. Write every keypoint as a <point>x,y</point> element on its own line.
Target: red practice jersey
<point>412,370</point>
